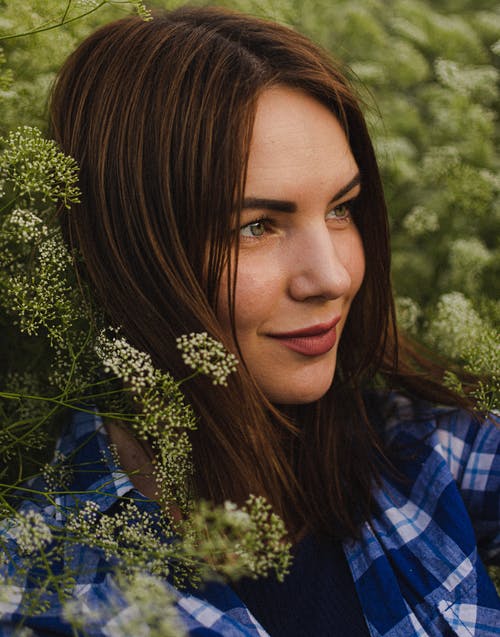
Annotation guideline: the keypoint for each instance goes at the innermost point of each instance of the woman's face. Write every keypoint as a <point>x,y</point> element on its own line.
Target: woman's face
<point>300,260</point>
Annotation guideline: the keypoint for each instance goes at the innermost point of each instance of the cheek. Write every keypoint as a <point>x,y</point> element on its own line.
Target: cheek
<point>352,255</point>
<point>257,288</point>
<point>358,265</point>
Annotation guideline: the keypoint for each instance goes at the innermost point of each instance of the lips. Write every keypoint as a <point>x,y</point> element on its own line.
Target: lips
<point>310,341</point>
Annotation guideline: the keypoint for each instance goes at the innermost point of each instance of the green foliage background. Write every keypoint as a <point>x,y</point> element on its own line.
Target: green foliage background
<point>428,74</point>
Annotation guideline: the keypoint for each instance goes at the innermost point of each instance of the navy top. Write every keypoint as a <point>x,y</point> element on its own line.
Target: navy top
<point>317,599</point>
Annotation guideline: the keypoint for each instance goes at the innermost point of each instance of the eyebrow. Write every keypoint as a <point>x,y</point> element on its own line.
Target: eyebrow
<point>280,205</point>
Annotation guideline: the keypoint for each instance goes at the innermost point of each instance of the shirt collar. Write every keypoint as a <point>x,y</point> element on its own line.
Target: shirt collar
<point>84,450</point>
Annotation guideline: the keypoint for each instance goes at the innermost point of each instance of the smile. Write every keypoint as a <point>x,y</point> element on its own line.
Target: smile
<point>310,341</point>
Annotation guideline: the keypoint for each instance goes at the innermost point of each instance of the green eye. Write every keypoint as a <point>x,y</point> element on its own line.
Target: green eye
<point>341,212</point>
<point>254,229</point>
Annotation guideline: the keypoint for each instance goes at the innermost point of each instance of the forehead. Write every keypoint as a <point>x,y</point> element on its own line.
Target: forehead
<point>297,144</point>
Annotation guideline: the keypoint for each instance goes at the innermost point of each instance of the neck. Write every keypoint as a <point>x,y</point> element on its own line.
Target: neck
<point>134,459</point>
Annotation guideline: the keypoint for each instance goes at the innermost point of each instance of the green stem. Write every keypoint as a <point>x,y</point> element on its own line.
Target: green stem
<point>66,11</point>
<point>74,360</point>
<point>64,20</point>
<point>8,204</point>
<point>69,405</point>
<point>19,439</point>
<point>193,375</point>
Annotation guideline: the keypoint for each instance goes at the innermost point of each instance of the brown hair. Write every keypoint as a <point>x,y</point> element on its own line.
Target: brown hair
<point>159,117</point>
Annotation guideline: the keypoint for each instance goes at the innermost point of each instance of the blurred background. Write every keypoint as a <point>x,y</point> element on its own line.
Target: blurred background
<point>427,73</point>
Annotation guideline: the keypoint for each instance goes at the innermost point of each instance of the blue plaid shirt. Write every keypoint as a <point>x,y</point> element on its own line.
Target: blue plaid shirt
<point>416,566</point>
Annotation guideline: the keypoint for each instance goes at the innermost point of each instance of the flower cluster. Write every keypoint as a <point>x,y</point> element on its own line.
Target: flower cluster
<point>158,414</point>
<point>35,166</point>
<point>460,333</point>
<point>226,541</point>
<point>141,9</point>
<point>31,532</point>
<point>44,296</point>
<point>58,473</point>
<point>468,260</point>
<point>473,81</point>
<point>420,221</point>
<point>24,227</point>
<point>20,232</point>
<point>154,602</point>
<point>408,314</point>
<point>161,416</point>
<point>130,535</point>
<point>150,610</point>
<point>207,356</point>
<point>24,384</point>
<point>235,542</point>
<point>264,547</point>
<point>126,362</point>
<point>36,276</point>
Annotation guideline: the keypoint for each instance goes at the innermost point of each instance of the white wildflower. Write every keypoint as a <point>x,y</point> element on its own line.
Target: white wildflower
<point>264,546</point>
<point>408,312</point>
<point>397,154</point>
<point>459,332</point>
<point>36,167</point>
<point>453,382</point>
<point>420,221</point>
<point>85,519</point>
<point>31,532</point>
<point>125,361</point>
<point>468,258</point>
<point>440,162</point>
<point>24,226</point>
<point>204,354</point>
<point>58,473</point>
<point>159,413</point>
<point>149,610</point>
<point>236,516</point>
<point>113,452</point>
<point>234,541</point>
<point>155,603</point>
<point>142,11</point>
<point>479,81</point>
<point>43,295</point>
<point>130,535</point>
<point>79,614</point>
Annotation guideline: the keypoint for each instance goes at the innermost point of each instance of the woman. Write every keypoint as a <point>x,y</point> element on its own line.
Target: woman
<point>230,186</point>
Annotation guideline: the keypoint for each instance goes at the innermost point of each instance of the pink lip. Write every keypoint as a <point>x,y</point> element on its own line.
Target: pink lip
<point>311,341</point>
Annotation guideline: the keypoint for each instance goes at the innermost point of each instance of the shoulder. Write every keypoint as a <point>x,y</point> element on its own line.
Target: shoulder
<point>446,468</point>
<point>423,545</point>
<point>454,434</point>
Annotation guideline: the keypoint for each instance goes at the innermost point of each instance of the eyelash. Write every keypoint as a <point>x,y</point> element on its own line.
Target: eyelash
<point>348,205</point>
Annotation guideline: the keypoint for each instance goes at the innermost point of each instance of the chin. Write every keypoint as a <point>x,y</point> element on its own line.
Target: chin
<point>298,394</point>
<point>300,399</point>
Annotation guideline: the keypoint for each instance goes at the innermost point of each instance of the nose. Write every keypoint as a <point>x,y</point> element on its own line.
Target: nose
<point>318,267</point>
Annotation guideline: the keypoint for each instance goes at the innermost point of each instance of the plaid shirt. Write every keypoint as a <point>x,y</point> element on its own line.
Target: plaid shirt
<point>416,565</point>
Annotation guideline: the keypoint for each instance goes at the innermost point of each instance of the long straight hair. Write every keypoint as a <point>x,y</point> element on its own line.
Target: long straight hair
<point>159,116</point>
